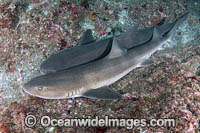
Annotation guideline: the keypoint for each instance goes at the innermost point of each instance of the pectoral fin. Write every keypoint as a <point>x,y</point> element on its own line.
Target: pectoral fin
<point>87,38</point>
<point>102,93</point>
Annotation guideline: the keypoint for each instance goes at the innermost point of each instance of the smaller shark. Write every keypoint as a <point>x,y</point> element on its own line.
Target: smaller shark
<point>91,80</point>
<point>90,50</point>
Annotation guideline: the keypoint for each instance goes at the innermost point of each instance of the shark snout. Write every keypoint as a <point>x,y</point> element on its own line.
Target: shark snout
<point>31,89</point>
<point>27,88</point>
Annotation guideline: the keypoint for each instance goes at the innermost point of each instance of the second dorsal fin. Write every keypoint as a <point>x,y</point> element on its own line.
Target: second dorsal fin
<point>156,34</point>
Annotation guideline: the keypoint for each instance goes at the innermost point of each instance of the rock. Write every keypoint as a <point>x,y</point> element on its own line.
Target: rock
<point>198,71</point>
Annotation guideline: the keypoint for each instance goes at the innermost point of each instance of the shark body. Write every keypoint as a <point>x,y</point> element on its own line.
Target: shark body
<point>90,50</point>
<point>77,55</point>
<point>91,80</point>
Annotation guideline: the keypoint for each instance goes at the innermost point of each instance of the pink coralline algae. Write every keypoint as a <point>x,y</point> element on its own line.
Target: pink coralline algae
<point>74,11</point>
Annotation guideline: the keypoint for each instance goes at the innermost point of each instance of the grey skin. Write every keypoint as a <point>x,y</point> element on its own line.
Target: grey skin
<point>91,80</point>
<point>90,50</point>
<point>77,55</point>
<point>137,37</point>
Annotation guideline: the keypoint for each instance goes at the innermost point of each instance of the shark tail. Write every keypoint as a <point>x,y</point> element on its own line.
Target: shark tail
<point>172,32</point>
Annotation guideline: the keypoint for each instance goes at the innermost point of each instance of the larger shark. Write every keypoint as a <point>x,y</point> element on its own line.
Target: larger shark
<point>91,80</point>
<point>90,50</point>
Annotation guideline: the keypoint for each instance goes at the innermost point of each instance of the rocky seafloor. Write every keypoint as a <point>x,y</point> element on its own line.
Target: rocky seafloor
<point>31,30</point>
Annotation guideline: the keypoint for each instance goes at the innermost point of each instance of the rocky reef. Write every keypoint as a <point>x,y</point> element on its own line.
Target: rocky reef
<point>31,30</point>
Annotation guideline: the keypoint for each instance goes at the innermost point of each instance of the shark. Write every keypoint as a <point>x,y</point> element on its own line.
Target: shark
<point>92,80</point>
<point>90,50</point>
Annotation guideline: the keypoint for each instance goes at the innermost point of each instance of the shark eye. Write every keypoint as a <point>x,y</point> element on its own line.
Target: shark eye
<point>41,88</point>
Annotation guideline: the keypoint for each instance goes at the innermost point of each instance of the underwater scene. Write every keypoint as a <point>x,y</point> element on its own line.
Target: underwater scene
<point>103,66</point>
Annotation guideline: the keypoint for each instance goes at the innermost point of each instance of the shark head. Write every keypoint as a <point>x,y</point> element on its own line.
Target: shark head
<point>36,90</point>
<point>39,88</point>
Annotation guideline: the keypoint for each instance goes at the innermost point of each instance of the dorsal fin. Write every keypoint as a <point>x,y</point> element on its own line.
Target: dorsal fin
<point>116,51</point>
<point>87,37</point>
<point>156,34</point>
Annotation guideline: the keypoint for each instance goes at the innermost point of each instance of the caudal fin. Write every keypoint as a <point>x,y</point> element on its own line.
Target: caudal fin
<point>179,21</point>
